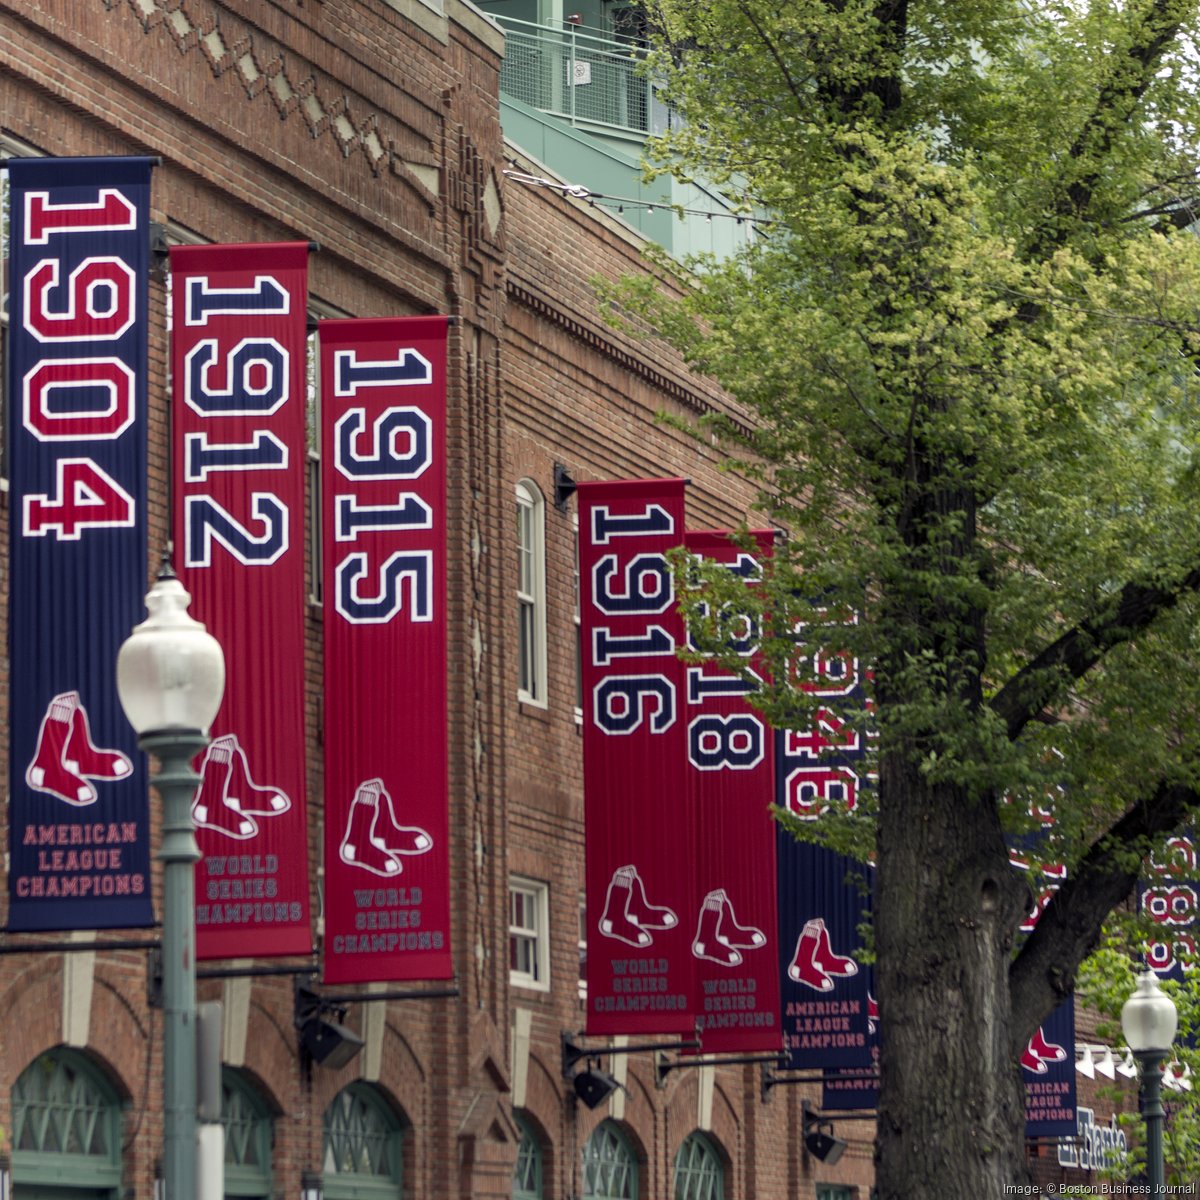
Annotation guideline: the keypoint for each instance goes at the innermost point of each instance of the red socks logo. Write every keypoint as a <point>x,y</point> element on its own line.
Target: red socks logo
<point>1040,1052</point>
<point>719,937</point>
<point>628,915</point>
<point>228,800</point>
<point>374,840</point>
<point>814,962</point>
<point>66,758</point>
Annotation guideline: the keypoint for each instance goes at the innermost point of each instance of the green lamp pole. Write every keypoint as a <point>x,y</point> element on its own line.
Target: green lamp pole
<point>1149,1020</point>
<point>170,678</point>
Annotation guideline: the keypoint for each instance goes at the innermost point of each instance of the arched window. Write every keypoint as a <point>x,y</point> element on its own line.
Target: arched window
<point>247,1122</point>
<point>66,1134</point>
<point>527,1178</point>
<point>363,1147</point>
<point>531,593</point>
<point>610,1169</point>
<point>699,1173</point>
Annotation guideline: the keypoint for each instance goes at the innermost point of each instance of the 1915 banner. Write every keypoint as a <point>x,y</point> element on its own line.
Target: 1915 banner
<point>730,769</point>
<point>238,355</point>
<point>78,270</point>
<point>640,828</point>
<point>387,867</point>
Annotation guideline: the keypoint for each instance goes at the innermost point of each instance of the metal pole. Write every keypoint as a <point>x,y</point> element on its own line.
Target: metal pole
<point>176,783</point>
<point>1152,1114</point>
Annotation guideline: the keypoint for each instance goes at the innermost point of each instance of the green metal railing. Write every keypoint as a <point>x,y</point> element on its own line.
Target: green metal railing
<point>582,77</point>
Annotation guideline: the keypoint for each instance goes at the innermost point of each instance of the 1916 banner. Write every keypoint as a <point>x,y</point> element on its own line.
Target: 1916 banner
<point>640,828</point>
<point>238,355</point>
<point>78,269</point>
<point>387,871</point>
<point>730,770</point>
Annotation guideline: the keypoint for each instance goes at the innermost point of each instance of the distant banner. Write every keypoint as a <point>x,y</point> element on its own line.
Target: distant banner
<point>77,338</point>
<point>731,775</point>
<point>1048,1062</point>
<point>640,827</point>
<point>238,366</point>
<point>383,459</point>
<point>1048,1069</point>
<point>1168,896</point>
<point>824,897</point>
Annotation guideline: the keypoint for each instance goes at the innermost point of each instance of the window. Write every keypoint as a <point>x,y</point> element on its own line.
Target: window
<point>699,1174</point>
<point>583,949</point>
<point>363,1147</point>
<point>318,311</point>
<point>610,1170</point>
<point>527,1177</point>
<point>531,593</point>
<point>833,1191</point>
<point>247,1122</point>
<point>66,1137</point>
<point>528,933</point>
<point>578,626</point>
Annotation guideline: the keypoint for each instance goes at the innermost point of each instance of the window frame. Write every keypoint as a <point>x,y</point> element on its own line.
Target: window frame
<point>538,934</point>
<point>533,1156</point>
<point>256,1116</point>
<point>354,1185</point>
<point>703,1175</point>
<point>614,1139</point>
<point>532,685</point>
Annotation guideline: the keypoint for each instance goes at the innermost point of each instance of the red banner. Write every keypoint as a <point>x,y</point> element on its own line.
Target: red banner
<point>238,352</point>
<point>730,769</point>
<point>387,868</point>
<point>641,859</point>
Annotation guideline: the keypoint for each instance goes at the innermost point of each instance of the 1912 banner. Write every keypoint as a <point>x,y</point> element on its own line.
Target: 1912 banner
<point>383,460</point>
<point>639,819</point>
<point>78,270</point>
<point>238,355</point>
<point>730,770</point>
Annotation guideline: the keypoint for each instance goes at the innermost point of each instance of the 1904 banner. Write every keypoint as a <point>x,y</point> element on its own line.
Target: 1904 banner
<point>238,344</point>
<point>383,459</point>
<point>78,269</point>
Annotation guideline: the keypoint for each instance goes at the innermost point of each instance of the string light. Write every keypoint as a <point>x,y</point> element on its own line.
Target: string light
<point>578,192</point>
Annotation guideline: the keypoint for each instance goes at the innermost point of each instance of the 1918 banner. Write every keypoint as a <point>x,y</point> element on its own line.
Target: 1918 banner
<point>238,343</point>
<point>387,867</point>
<point>78,269</point>
<point>730,772</point>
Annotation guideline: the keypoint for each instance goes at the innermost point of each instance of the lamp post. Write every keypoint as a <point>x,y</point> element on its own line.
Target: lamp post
<point>1148,1020</point>
<point>170,678</point>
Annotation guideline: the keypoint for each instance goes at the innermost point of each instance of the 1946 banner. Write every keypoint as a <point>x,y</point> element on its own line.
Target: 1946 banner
<point>730,771</point>
<point>387,881</point>
<point>78,817</point>
<point>641,842</point>
<point>238,343</point>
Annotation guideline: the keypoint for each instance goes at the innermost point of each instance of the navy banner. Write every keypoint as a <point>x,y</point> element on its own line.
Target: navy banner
<point>824,897</point>
<point>78,263</point>
<point>1168,897</point>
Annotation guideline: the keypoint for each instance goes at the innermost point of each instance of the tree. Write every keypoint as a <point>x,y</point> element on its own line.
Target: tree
<point>967,343</point>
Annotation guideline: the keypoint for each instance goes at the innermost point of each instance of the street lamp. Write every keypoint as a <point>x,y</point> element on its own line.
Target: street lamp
<point>170,678</point>
<point>1148,1020</point>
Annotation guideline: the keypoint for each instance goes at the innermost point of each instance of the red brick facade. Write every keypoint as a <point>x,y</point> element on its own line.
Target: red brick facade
<point>372,128</point>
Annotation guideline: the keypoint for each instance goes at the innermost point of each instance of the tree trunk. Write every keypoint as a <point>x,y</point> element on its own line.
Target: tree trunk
<point>947,903</point>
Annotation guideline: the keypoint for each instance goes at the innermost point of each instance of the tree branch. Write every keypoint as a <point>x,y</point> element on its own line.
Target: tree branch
<point>1039,683</point>
<point>1043,973</point>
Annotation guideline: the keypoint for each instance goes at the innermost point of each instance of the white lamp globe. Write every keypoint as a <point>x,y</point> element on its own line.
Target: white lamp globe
<point>170,670</point>
<point>1148,1017</point>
